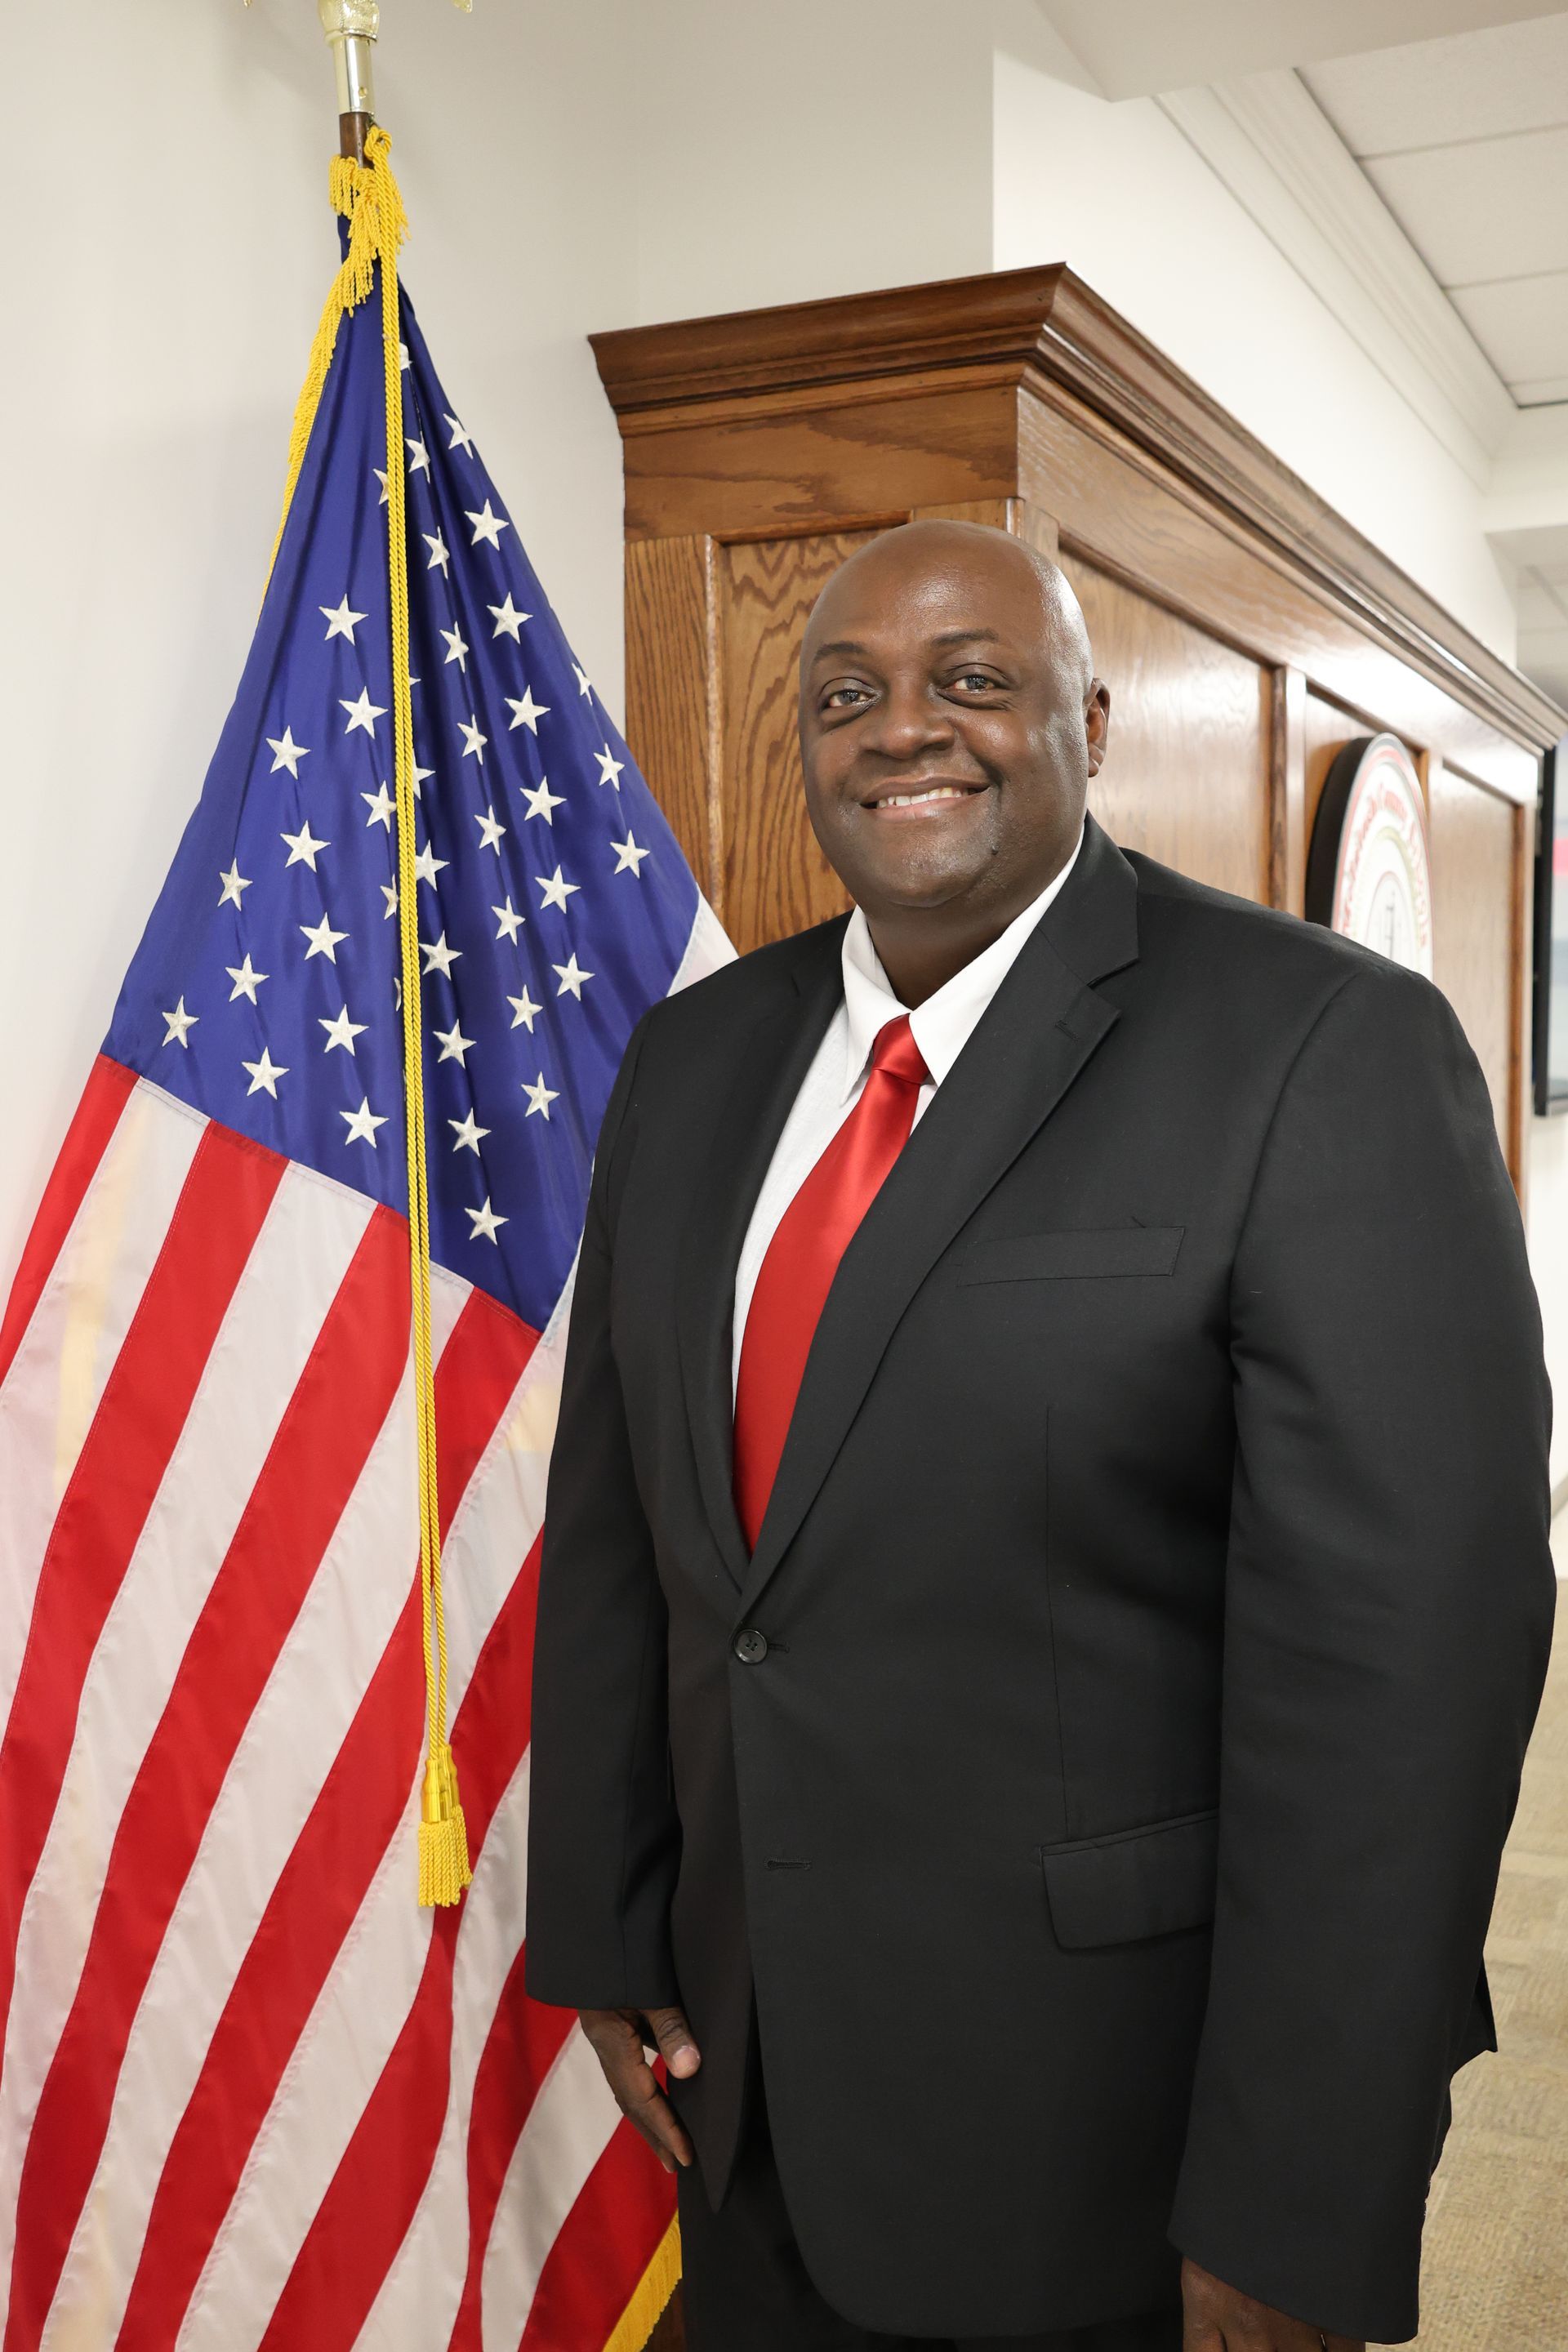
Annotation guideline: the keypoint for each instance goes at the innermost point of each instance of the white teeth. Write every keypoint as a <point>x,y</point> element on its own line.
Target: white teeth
<point>913,799</point>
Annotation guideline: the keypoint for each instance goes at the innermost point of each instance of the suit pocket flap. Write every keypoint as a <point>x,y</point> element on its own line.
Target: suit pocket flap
<point>1051,1257</point>
<point>1147,1882</point>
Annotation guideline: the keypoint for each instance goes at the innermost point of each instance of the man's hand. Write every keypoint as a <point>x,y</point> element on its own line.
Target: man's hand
<point>621,2038</point>
<point>1220,2318</point>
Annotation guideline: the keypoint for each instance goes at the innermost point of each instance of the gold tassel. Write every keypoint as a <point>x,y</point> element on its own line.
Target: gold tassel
<point>651,2293</point>
<point>444,1869</point>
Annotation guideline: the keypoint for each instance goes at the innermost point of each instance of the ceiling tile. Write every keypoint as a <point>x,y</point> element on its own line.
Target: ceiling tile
<point>1522,324</point>
<point>1468,86</point>
<point>1496,208</point>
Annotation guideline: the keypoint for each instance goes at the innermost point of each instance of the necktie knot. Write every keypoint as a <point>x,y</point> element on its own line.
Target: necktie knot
<point>897,1055</point>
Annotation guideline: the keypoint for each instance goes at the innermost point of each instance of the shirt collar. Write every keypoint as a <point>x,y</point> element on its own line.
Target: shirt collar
<point>943,1024</point>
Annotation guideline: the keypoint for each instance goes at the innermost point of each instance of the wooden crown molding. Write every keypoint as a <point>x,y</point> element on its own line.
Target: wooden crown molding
<point>1046,328</point>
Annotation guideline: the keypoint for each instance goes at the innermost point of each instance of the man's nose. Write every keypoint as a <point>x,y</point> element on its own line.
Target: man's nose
<point>908,721</point>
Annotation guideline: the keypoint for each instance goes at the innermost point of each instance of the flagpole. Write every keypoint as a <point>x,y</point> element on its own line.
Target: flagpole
<point>351,27</point>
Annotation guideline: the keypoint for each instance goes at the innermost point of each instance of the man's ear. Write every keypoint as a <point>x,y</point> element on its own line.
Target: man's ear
<point>1096,723</point>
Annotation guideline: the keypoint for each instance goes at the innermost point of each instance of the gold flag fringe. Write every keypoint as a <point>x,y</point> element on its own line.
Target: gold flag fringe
<point>652,2293</point>
<point>367,195</point>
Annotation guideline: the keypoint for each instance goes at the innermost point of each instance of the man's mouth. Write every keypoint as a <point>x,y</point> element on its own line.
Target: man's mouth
<point>925,797</point>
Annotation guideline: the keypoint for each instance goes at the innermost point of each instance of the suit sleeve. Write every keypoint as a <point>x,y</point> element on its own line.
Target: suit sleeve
<point>1388,1610</point>
<point>604,1840</point>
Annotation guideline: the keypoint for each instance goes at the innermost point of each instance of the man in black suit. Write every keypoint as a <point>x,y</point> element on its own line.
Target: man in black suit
<point>1046,1583</point>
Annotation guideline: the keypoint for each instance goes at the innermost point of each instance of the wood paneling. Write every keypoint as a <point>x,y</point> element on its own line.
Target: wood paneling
<point>673,704</point>
<point>1186,771</point>
<point>1473,920</point>
<point>776,879</point>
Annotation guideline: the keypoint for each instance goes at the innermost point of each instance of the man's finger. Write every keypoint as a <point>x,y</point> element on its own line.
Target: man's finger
<point>617,2036</point>
<point>676,2042</point>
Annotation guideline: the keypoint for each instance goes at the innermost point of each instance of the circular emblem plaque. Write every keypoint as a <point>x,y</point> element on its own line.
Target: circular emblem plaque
<point>1368,874</point>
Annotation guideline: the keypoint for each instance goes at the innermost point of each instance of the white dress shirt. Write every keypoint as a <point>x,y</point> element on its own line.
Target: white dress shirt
<point>941,1028</point>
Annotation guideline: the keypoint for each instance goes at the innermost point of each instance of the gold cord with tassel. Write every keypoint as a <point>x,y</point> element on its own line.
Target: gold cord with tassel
<point>366,194</point>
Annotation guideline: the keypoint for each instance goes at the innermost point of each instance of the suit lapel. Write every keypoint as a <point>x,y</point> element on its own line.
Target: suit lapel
<point>1043,1025</point>
<point>754,1098</point>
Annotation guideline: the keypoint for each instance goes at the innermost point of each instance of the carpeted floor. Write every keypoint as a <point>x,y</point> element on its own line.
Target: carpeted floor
<point>1495,2276</point>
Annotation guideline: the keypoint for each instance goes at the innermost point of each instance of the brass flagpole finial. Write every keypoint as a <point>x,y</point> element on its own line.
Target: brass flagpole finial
<point>351,27</point>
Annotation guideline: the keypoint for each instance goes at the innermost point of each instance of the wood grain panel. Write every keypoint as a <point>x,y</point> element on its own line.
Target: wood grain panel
<point>776,879</point>
<point>1474,889</point>
<point>674,681</point>
<point>1288,790</point>
<point>1186,775</point>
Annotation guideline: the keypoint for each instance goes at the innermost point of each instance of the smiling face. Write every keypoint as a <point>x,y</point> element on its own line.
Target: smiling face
<point>950,723</point>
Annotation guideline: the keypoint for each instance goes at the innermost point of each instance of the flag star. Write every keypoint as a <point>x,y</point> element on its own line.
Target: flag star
<point>440,554</point>
<point>180,1022</point>
<point>234,883</point>
<point>491,831</point>
<point>380,473</point>
<point>363,712</point>
<point>487,1224</point>
<point>609,766</point>
<point>540,1097</point>
<point>453,1044</point>
<point>527,713</point>
<point>380,806</point>
<point>418,456</point>
<point>509,922</point>
<point>556,891</point>
<point>417,777</point>
<point>523,1009</point>
<point>541,799</point>
<point>323,939</point>
<point>427,865</point>
<point>363,1124</point>
<point>341,621</point>
<point>628,856</point>
<point>440,957</point>
<point>474,741</point>
<point>303,846</point>
<point>488,525</point>
<point>246,978</point>
<point>459,440</point>
<point>508,620</point>
<point>389,892</point>
<point>286,752</point>
<point>456,651</point>
<point>571,976</point>
<point>265,1075</point>
<point>584,683</point>
<point>467,1131</point>
<point>342,1031</point>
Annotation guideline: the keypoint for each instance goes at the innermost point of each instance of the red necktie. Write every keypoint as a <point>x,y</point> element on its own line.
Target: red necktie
<point>802,1258</point>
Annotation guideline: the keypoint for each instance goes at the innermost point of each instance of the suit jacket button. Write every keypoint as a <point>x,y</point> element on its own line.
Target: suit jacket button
<point>751,1646</point>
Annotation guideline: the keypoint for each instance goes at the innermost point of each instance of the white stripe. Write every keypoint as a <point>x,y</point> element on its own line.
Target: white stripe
<point>708,949</point>
<point>322,1672</point>
<point>568,2129</point>
<point>74,1338</point>
<point>299,1255</point>
<point>418,2300</point>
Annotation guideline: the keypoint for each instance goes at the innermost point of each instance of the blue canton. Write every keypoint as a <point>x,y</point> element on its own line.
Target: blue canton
<point>554,904</point>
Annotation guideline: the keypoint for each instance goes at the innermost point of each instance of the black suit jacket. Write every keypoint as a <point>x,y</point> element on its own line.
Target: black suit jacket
<point>1157,1595</point>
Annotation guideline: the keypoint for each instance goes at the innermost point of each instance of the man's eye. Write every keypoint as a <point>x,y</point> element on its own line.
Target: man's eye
<point>978,681</point>
<point>844,698</point>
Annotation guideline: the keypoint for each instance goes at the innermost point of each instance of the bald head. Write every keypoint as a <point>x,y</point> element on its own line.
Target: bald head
<point>950,723</point>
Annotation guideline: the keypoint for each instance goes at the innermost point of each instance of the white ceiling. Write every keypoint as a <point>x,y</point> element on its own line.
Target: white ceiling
<point>1135,47</point>
<point>1465,140</point>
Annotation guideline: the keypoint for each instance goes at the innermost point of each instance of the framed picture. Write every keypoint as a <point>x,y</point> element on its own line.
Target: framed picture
<point>1550,978</point>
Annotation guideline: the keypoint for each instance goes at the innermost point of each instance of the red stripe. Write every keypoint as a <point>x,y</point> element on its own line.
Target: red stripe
<point>601,2249</point>
<point>105,1095</point>
<point>140,1416</point>
<point>324,1883</point>
<point>366,2212</point>
<point>322,1443</point>
<point>523,2044</point>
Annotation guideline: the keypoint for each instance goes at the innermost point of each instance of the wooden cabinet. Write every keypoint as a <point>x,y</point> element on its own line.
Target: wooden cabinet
<point>1245,629</point>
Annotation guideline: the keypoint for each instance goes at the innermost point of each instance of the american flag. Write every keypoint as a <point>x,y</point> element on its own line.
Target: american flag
<point>251,2094</point>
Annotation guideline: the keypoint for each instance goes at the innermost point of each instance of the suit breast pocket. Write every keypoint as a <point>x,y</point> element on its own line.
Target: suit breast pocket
<point>1096,1254</point>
